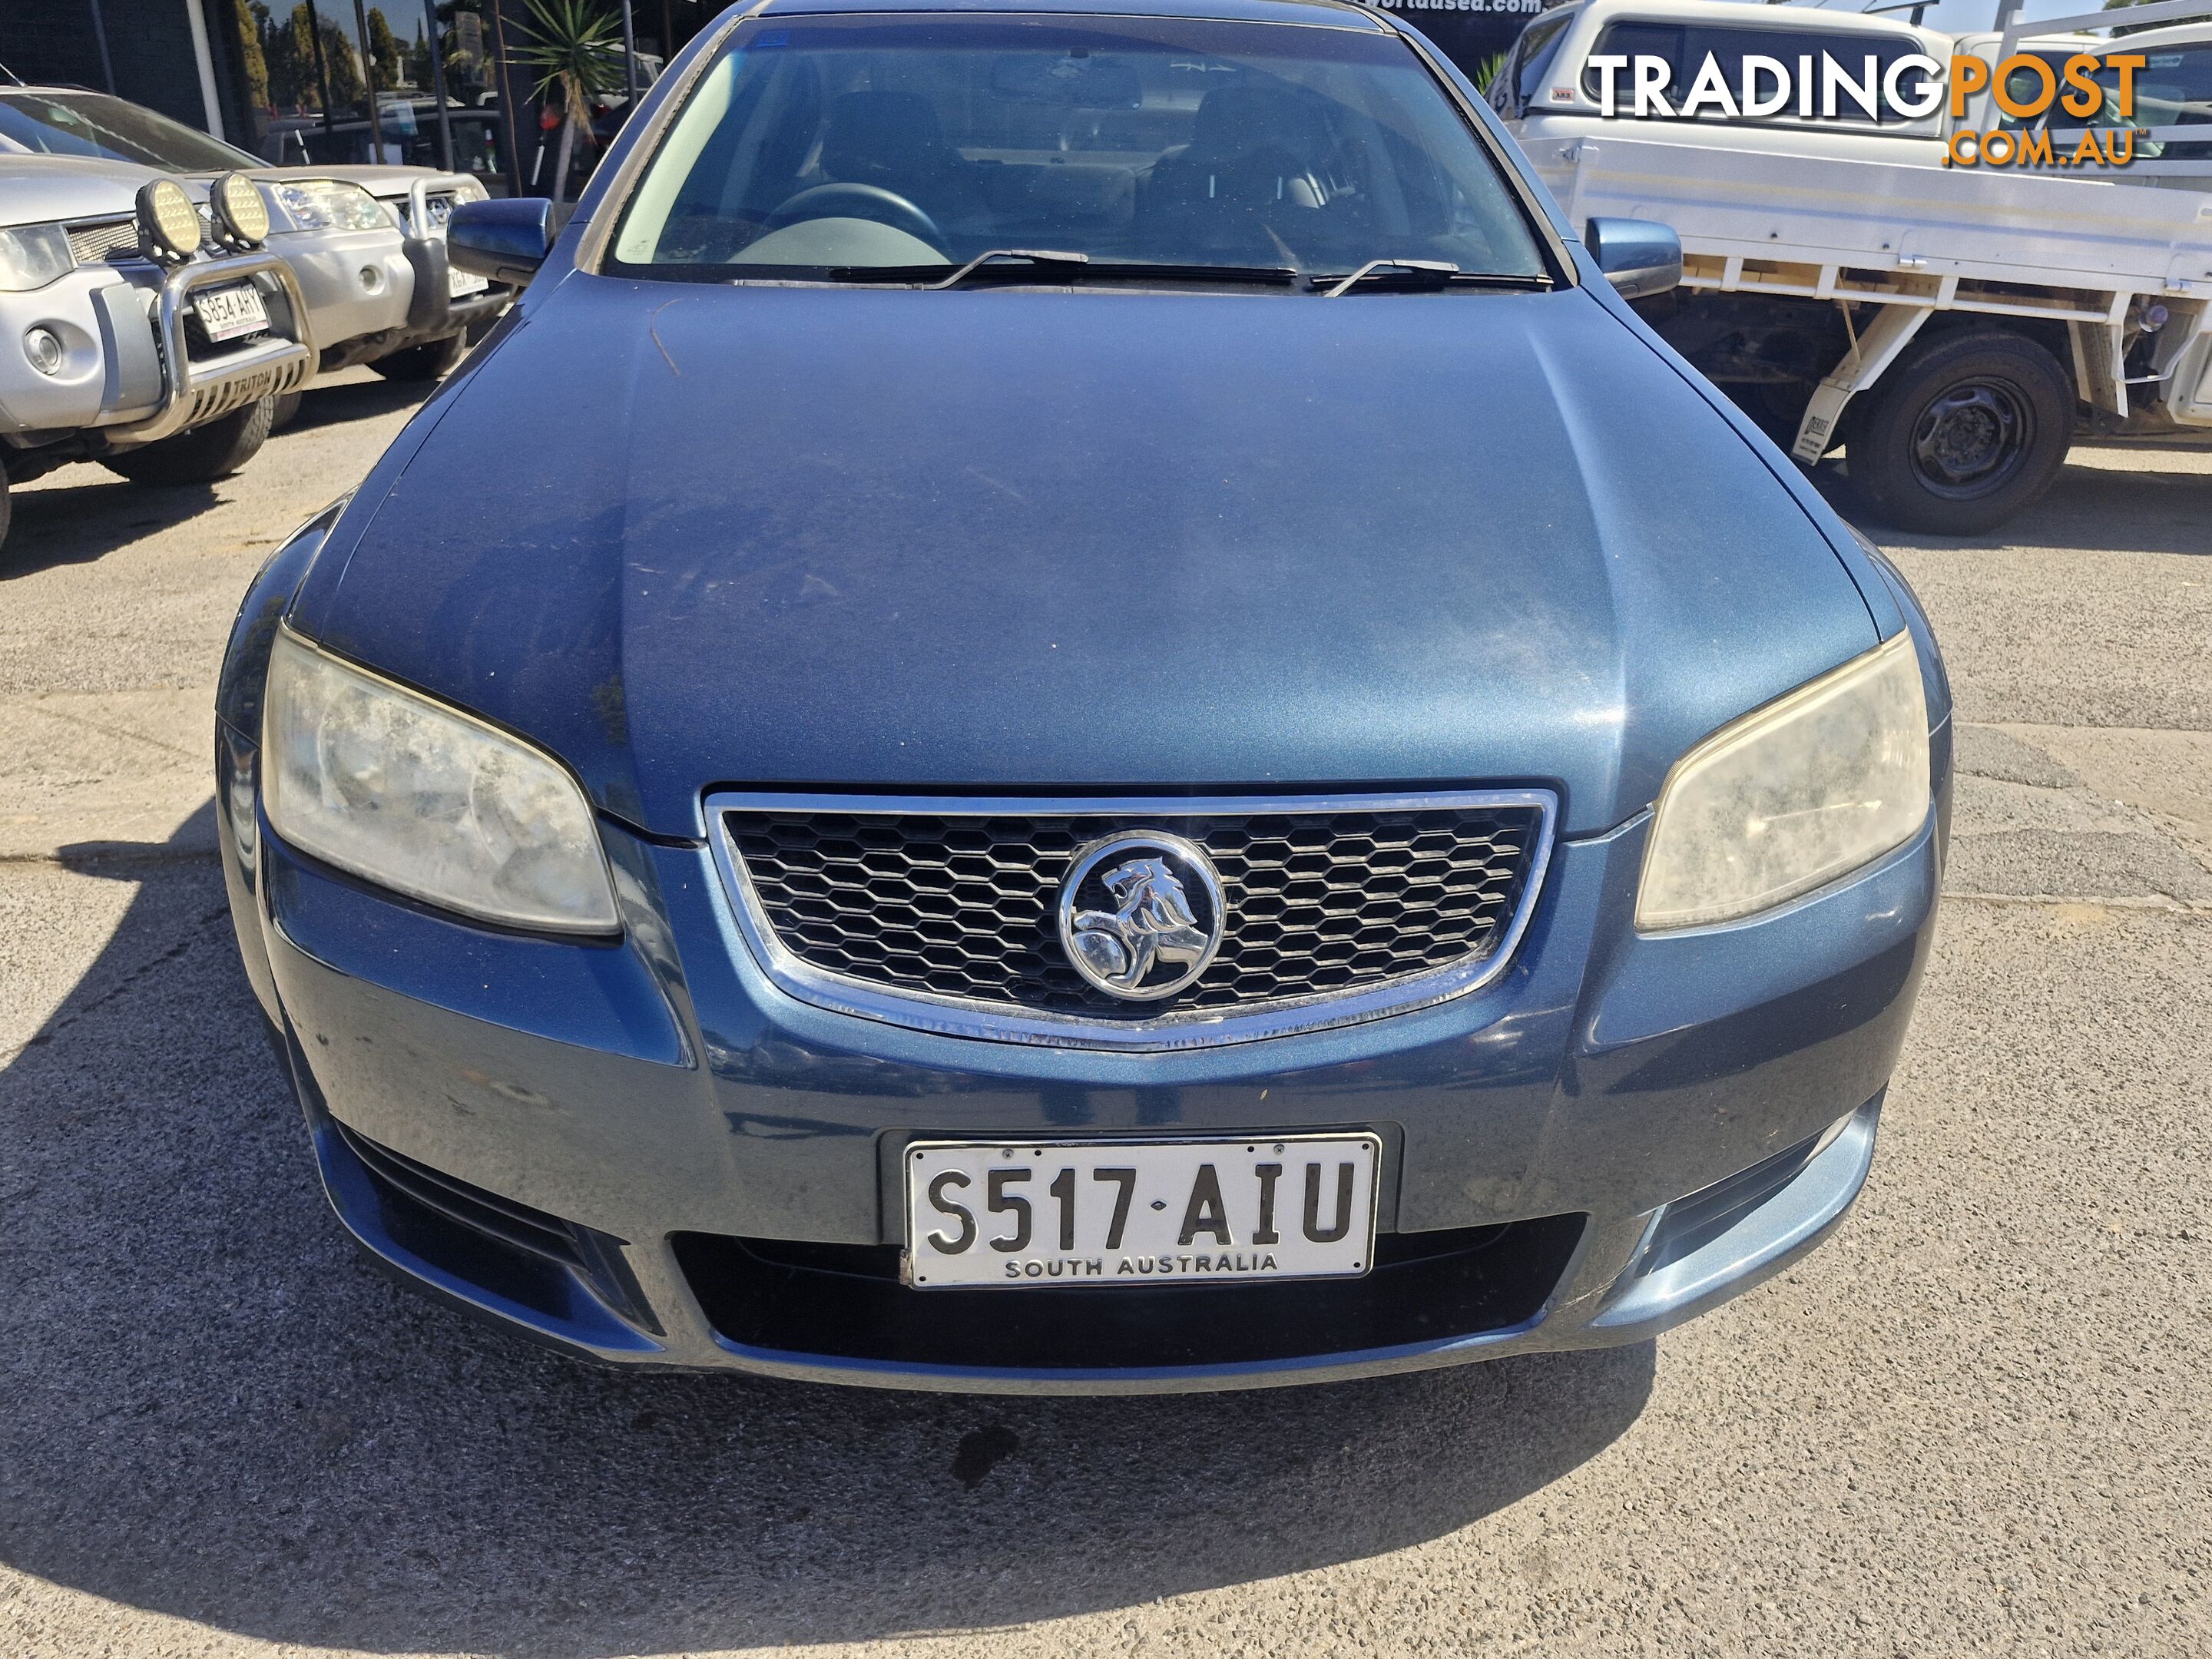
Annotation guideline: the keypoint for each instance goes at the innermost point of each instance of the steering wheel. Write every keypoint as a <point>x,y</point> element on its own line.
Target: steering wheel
<point>855,201</point>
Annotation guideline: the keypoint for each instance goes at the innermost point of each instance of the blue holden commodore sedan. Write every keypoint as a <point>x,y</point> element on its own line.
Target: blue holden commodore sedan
<point>1107,724</point>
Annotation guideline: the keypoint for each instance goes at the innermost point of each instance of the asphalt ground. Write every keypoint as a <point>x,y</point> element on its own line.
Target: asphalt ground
<point>1974,1422</point>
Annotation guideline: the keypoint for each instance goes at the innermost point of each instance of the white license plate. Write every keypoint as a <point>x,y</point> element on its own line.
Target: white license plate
<point>228,313</point>
<point>458,282</point>
<point>1047,1214</point>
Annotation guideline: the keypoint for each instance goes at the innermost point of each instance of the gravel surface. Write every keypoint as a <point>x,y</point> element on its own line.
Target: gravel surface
<point>1971,1423</point>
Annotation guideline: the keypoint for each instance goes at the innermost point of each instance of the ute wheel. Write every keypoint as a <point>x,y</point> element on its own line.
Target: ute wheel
<point>202,455</point>
<point>5,510</point>
<point>433,361</point>
<point>1961,435</point>
<point>288,410</point>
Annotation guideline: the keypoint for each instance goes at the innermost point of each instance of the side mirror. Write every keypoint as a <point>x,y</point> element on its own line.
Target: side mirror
<point>1639,257</point>
<point>504,239</point>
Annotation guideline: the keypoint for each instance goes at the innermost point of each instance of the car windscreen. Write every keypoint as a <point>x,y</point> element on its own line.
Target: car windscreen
<point>843,144</point>
<point>1538,47</point>
<point>93,123</point>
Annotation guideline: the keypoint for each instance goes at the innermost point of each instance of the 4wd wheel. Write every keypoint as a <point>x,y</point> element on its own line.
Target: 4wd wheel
<point>5,510</point>
<point>202,455</point>
<point>1961,435</point>
<point>433,361</point>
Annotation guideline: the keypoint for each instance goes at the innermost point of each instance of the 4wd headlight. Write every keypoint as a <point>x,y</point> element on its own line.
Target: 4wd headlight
<point>331,204</point>
<point>384,783</point>
<point>1792,795</point>
<point>31,256</point>
<point>169,225</point>
<point>239,209</point>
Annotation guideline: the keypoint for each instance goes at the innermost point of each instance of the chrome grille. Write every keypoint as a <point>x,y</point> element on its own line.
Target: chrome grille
<point>1324,899</point>
<point>96,244</point>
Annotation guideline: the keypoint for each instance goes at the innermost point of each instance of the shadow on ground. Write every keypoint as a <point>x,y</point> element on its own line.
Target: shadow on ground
<point>2090,509</point>
<point>357,400</point>
<point>217,1410</point>
<point>90,512</point>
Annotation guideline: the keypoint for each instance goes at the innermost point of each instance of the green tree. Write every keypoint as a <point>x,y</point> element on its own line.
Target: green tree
<point>2119,29</point>
<point>343,62</point>
<point>384,55</point>
<point>290,61</point>
<point>246,25</point>
<point>576,50</point>
<point>294,76</point>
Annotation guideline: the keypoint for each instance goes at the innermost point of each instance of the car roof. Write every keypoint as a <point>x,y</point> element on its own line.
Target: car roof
<point>2178,35</point>
<point>1734,14</point>
<point>1328,14</point>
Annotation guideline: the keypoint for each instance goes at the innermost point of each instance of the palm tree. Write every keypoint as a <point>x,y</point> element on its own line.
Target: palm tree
<point>574,48</point>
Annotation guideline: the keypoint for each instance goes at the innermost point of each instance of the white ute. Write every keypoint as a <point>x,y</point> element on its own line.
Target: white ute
<point>1952,328</point>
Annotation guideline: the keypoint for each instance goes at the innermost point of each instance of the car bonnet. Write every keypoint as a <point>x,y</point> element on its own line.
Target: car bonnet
<point>689,535</point>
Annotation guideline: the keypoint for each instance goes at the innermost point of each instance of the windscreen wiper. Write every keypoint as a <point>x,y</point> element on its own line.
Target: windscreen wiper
<point>1083,266</point>
<point>1421,276</point>
<point>1175,270</point>
<point>1027,264</point>
<point>991,262</point>
<point>1040,257</point>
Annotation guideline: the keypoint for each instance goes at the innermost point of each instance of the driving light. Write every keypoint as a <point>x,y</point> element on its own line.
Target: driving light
<point>168,223</point>
<point>403,792</point>
<point>31,256</point>
<point>43,347</point>
<point>239,209</point>
<point>331,204</point>
<point>1792,795</point>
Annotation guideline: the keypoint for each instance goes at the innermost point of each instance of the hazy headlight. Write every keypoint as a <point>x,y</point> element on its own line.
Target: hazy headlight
<point>331,204</point>
<point>31,256</point>
<point>1792,795</point>
<point>424,800</point>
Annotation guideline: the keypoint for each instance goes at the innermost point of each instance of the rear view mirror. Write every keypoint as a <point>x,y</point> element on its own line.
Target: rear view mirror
<point>1639,258</point>
<point>1069,82</point>
<point>504,239</point>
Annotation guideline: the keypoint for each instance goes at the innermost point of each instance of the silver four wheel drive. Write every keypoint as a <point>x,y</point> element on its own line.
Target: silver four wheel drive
<point>106,354</point>
<point>367,244</point>
<point>166,372</point>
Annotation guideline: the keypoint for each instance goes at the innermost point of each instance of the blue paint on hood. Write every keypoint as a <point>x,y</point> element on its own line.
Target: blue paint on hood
<point>687,535</point>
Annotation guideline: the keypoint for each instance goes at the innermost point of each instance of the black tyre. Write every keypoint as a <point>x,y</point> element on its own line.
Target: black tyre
<point>1961,434</point>
<point>201,456</point>
<point>5,510</point>
<point>433,361</point>
<point>288,410</point>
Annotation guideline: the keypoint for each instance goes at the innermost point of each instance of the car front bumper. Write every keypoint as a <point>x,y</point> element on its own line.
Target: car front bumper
<point>370,293</point>
<point>130,375</point>
<point>647,1152</point>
